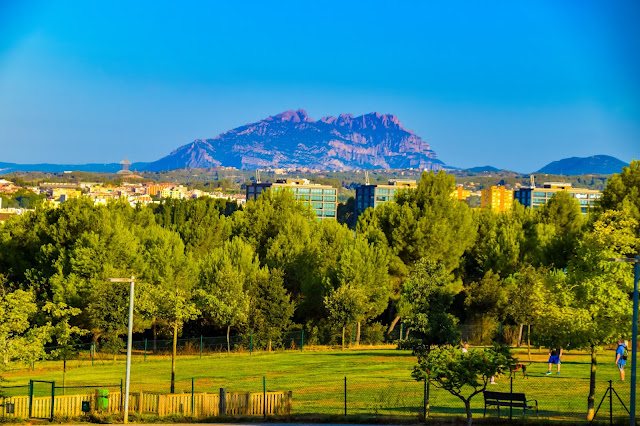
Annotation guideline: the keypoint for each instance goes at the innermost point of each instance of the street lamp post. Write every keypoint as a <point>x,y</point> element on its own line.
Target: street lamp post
<point>131,280</point>
<point>634,333</point>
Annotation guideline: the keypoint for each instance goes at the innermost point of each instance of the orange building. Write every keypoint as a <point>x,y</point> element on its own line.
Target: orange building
<point>461,193</point>
<point>497,198</point>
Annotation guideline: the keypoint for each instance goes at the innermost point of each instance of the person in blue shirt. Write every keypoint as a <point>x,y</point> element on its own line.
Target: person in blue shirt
<point>621,357</point>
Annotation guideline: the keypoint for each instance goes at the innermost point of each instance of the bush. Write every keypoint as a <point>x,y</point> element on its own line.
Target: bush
<point>372,334</point>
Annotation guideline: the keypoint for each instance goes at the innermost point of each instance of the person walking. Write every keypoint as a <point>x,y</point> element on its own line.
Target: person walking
<point>621,357</point>
<point>554,358</point>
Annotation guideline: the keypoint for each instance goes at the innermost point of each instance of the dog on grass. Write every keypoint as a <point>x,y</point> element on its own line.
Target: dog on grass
<point>520,366</point>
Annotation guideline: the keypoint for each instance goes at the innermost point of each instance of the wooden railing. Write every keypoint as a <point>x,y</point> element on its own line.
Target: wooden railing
<point>195,405</point>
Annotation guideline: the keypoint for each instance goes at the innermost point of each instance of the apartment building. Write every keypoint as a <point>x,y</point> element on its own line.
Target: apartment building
<point>368,195</point>
<point>460,193</point>
<point>322,198</point>
<point>535,197</point>
<point>497,198</point>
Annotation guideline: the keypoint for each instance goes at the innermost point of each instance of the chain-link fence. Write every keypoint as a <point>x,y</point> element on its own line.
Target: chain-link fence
<point>99,352</point>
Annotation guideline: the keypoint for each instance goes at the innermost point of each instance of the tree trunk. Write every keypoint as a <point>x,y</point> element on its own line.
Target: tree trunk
<point>393,325</point>
<point>467,407</point>
<point>173,357</point>
<point>406,334</point>
<point>269,346</point>
<point>358,335</point>
<point>228,344</point>
<point>155,335</point>
<point>529,340</point>
<point>592,385</point>
<point>520,335</point>
<point>343,338</point>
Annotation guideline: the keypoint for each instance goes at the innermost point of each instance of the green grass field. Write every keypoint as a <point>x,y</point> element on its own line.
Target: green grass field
<point>378,380</point>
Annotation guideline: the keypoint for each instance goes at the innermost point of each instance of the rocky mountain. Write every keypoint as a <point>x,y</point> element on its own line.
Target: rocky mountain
<point>293,139</point>
<point>597,164</point>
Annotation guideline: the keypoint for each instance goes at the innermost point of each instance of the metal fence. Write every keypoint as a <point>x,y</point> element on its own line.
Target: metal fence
<point>99,353</point>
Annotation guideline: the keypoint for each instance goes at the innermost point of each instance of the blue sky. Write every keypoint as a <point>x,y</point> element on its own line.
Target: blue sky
<point>511,84</point>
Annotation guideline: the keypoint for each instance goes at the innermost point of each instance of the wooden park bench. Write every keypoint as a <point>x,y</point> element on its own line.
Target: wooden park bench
<point>506,399</point>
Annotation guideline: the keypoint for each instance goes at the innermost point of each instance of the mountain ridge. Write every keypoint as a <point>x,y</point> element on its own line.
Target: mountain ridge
<point>595,164</point>
<point>293,139</point>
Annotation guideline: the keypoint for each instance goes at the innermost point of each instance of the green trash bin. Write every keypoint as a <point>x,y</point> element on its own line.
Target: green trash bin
<point>102,399</point>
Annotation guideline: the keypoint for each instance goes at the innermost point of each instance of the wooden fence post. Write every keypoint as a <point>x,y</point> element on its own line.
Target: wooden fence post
<point>140,402</point>
<point>223,401</point>
<point>289,402</point>
<point>162,405</point>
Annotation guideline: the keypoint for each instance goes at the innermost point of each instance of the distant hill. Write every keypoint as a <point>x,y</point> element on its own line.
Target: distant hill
<point>59,168</point>
<point>597,164</point>
<point>483,169</point>
<point>292,139</point>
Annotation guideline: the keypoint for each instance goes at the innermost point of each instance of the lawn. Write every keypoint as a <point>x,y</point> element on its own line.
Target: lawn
<point>378,380</point>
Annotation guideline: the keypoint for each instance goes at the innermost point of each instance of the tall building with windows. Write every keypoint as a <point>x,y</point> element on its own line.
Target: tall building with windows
<point>535,197</point>
<point>373,195</point>
<point>322,198</point>
<point>461,194</point>
<point>497,198</point>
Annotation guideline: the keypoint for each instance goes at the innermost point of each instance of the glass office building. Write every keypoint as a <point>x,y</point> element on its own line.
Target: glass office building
<point>535,197</point>
<point>374,195</point>
<point>322,198</point>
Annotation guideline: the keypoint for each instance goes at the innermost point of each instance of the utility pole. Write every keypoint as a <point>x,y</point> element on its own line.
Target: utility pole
<point>132,281</point>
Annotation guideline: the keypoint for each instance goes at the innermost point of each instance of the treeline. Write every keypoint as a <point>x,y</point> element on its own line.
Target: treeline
<point>206,267</point>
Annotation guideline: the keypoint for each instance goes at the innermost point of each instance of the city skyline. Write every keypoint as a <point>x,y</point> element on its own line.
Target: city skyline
<point>512,86</point>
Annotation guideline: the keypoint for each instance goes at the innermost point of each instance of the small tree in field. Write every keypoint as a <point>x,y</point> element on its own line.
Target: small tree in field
<point>463,375</point>
<point>64,332</point>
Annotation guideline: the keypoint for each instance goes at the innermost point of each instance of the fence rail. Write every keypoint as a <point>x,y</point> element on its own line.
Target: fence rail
<point>196,404</point>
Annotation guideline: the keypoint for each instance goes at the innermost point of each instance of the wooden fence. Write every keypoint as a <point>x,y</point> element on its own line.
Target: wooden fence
<point>196,405</point>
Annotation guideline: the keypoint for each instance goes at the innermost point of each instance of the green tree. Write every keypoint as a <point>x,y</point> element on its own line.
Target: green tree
<point>425,222</point>
<point>108,312</point>
<point>487,297</point>
<point>167,282</point>
<point>201,222</point>
<point>362,266</point>
<point>320,258</point>
<point>623,191</point>
<point>559,229</point>
<point>463,375</point>
<point>19,339</point>
<point>428,295</point>
<point>526,298</point>
<point>270,308</point>
<point>65,334</point>
<point>346,305</point>
<point>279,228</point>
<point>226,276</point>
<point>591,306</point>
